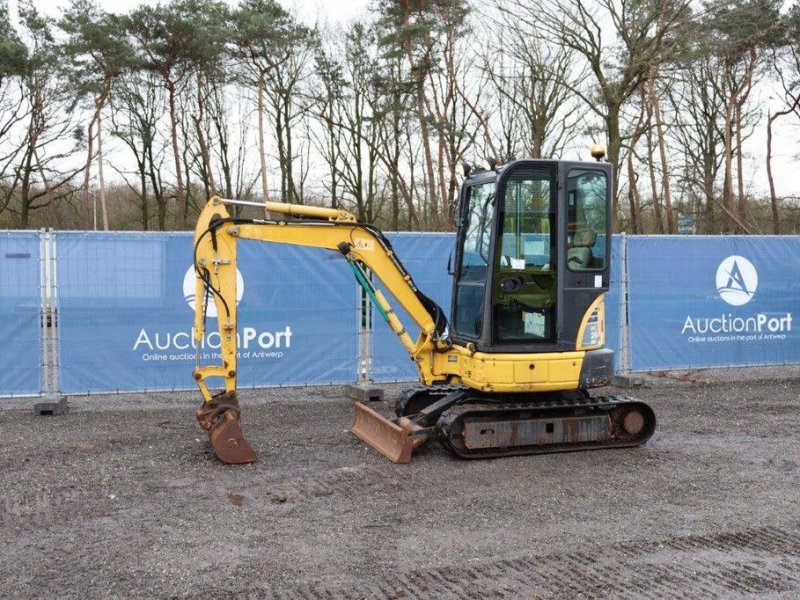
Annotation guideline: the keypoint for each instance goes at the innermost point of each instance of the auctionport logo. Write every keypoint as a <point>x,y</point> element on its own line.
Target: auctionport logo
<point>180,345</point>
<point>737,280</point>
<point>188,291</point>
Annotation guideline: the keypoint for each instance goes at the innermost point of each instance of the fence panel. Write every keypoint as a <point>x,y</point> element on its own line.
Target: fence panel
<point>126,302</point>
<point>713,301</point>
<point>425,255</point>
<point>20,302</point>
<point>125,308</point>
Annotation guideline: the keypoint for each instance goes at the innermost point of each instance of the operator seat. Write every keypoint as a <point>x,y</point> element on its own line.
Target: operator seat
<point>579,256</point>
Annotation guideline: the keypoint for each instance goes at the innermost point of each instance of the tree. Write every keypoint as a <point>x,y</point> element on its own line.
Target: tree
<point>417,30</point>
<point>265,38</point>
<point>166,42</point>
<point>136,107</point>
<point>209,19</point>
<point>643,36</point>
<point>97,50</point>
<point>13,66</point>
<point>739,33</point>
<point>38,183</point>
<point>393,115</point>
<point>535,79</point>
<point>787,68</point>
<point>328,101</point>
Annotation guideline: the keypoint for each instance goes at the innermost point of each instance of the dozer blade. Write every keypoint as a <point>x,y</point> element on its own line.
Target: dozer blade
<point>220,419</point>
<point>395,440</point>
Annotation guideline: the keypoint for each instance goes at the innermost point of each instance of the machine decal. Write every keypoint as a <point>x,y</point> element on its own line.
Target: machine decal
<point>367,245</point>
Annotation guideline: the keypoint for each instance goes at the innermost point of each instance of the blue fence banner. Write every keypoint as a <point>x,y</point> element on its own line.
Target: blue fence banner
<point>713,301</point>
<point>126,305</point>
<point>125,308</point>
<point>20,341</point>
<point>425,256</point>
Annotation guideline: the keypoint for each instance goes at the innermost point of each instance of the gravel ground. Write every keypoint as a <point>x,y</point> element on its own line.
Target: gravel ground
<point>121,497</point>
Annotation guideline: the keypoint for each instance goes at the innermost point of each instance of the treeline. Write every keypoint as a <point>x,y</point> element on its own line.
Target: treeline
<point>130,121</point>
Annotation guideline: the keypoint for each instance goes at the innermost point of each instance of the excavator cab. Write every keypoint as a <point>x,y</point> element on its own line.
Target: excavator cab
<point>531,257</point>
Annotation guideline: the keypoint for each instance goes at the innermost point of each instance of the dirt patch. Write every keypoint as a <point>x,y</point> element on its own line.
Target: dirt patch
<point>122,497</point>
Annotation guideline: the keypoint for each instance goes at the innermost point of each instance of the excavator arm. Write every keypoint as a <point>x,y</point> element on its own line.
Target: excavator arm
<point>364,248</point>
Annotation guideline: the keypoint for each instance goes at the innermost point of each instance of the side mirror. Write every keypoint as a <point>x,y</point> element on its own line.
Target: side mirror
<point>452,208</point>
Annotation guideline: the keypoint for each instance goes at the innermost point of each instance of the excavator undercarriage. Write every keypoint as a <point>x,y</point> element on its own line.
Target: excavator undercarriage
<point>473,424</point>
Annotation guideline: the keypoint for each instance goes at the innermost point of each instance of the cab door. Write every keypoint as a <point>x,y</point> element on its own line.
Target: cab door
<point>525,291</point>
<point>473,257</point>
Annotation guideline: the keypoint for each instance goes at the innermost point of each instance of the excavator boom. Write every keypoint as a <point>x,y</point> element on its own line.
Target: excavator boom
<point>216,239</point>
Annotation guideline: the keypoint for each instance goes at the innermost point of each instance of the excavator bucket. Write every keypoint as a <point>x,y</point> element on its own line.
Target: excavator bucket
<point>395,440</point>
<point>228,442</point>
<point>220,419</point>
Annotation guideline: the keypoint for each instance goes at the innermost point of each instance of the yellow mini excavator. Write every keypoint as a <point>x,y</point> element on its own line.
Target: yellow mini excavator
<point>510,372</point>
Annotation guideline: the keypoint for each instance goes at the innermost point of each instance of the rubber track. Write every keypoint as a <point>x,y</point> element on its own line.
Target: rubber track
<point>449,423</point>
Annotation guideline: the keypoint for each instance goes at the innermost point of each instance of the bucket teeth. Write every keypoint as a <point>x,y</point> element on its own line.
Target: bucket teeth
<point>220,419</point>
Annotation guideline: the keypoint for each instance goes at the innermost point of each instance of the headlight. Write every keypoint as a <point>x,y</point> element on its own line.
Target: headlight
<point>593,333</point>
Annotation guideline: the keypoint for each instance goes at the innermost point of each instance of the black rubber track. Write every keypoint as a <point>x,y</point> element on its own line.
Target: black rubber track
<point>558,406</point>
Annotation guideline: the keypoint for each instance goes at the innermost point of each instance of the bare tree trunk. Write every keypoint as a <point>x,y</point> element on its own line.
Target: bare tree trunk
<point>143,199</point>
<point>651,169</point>
<point>426,148</point>
<point>103,207</point>
<point>261,147</point>
<point>86,202</point>
<point>48,191</point>
<point>201,140</point>
<point>179,192</point>
<point>99,103</point>
<point>633,197</point>
<point>426,145</point>
<point>211,186</point>
<point>739,161</point>
<point>776,223</point>
<point>291,187</point>
<point>663,155</point>
<point>614,151</point>
<point>440,217</point>
<point>727,191</point>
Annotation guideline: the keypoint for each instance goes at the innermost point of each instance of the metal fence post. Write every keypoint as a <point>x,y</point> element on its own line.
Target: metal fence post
<point>364,336</point>
<point>53,403</point>
<point>364,389</point>
<point>625,342</point>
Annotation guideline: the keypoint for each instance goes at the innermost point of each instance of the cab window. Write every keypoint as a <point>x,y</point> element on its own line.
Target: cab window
<point>587,206</point>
